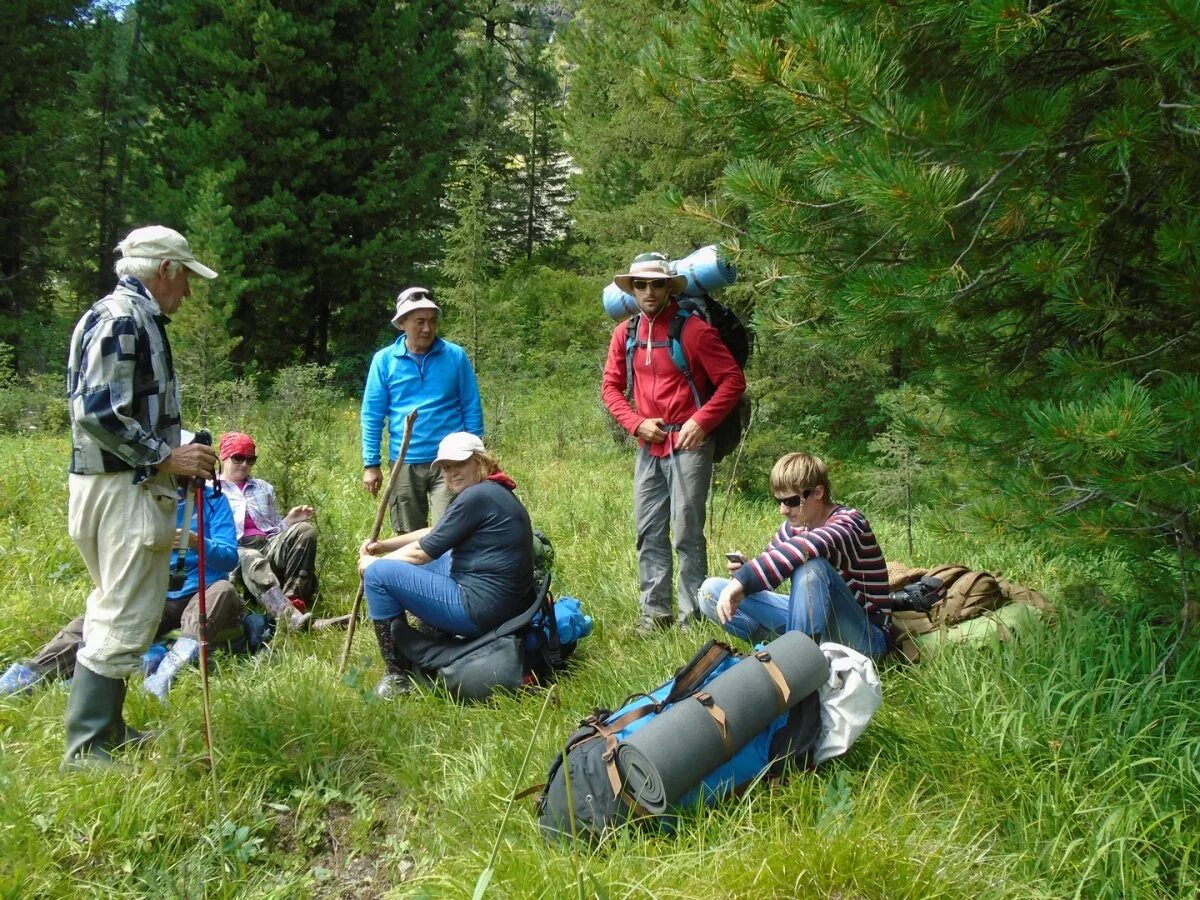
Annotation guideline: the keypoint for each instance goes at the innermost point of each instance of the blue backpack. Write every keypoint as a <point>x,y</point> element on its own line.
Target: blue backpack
<point>584,795</point>
<point>733,333</point>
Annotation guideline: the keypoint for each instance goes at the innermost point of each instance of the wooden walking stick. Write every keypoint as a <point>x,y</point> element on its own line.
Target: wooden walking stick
<point>409,421</point>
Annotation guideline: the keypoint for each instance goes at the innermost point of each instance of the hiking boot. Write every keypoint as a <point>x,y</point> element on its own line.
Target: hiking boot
<point>19,679</point>
<point>278,605</point>
<point>396,680</point>
<point>182,654</point>
<point>93,711</point>
<point>648,626</point>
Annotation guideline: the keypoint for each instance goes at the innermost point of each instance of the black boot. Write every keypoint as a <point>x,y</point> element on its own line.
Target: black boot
<point>396,680</point>
<point>93,711</point>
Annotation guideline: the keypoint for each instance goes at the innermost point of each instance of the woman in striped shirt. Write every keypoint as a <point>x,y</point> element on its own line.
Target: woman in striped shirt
<point>839,589</point>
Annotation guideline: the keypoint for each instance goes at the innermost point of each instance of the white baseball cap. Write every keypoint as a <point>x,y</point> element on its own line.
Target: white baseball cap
<point>159,242</point>
<point>410,300</point>
<point>457,447</point>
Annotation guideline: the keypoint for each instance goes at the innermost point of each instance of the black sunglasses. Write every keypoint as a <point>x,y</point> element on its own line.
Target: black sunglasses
<point>795,500</point>
<point>238,458</point>
<point>641,284</point>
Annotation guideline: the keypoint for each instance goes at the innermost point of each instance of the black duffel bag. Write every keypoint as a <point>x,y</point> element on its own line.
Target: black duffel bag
<point>475,668</point>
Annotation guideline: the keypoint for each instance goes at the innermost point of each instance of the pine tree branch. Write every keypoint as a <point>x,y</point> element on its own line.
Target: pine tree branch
<point>975,196</point>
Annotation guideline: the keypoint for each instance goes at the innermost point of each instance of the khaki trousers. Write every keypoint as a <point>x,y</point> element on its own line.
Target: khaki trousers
<point>420,491</point>
<point>124,533</point>
<point>287,560</point>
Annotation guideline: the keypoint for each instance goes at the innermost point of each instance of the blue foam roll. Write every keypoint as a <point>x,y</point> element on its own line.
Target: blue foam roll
<point>706,272</point>
<point>618,304</point>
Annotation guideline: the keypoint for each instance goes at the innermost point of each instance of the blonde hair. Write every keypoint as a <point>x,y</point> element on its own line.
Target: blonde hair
<point>486,462</point>
<point>795,473</point>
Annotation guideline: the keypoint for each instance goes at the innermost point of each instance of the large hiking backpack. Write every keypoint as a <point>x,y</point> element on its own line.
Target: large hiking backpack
<point>524,648</point>
<point>736,337</point>
<point>594,786</point>
<point>966,598</point>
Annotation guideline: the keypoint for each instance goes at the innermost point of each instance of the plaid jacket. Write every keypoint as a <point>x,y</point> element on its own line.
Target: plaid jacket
<point>256,497</point>
<point>124,400</point>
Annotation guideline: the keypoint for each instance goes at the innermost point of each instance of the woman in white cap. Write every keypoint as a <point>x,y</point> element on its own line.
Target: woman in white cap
<point>469,573</point>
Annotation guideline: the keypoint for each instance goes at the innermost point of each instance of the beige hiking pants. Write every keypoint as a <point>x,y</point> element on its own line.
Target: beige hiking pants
<point>124,533</point>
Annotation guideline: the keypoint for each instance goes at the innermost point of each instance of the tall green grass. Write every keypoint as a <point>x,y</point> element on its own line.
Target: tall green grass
<point>1064,764</point>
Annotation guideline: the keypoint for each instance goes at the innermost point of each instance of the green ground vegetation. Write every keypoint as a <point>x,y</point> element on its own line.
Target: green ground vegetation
<point>1064,764</point>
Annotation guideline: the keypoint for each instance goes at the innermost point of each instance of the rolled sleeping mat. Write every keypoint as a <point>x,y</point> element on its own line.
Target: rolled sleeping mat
<point>618,304</point>
<point>706,272</point>
<point>667,757</point>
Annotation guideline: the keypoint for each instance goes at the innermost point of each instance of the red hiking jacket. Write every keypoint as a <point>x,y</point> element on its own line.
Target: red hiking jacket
<point>659,388</point>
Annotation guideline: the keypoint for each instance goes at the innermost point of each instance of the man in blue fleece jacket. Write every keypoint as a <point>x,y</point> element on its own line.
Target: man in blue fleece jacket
<point>425,372</point>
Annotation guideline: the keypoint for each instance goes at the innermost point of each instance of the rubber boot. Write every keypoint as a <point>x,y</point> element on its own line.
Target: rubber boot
<point>93,711</point>
<point>396,680</point>
<point>277,604</point>
<point>182,654</point>
<point>19,679</point>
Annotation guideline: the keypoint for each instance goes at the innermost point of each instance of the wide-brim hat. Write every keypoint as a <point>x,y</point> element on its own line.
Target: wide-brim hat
<point>458,447</point>
<point>410,300</point>
<point>651,266</point>
<point>159,242</point>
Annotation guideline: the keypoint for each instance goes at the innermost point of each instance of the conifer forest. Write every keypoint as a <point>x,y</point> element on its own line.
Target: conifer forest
<point>967,243</point>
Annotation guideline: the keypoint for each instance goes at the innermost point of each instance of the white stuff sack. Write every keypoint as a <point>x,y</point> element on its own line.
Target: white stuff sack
<point>848,700</point>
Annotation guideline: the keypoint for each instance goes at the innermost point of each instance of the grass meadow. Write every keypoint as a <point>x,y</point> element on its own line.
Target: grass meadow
<point>1065,764</point>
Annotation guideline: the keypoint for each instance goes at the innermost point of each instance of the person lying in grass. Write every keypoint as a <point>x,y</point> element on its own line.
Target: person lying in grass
<point>277,555</point>
<point>181,611</point>
<point>839,577</point>
<point>467,574</point>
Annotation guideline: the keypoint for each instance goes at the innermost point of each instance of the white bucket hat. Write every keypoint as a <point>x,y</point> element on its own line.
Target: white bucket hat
<point>159,242</point>
<point>651,266</point>
<point>410,300</point>
<point>457,447</point>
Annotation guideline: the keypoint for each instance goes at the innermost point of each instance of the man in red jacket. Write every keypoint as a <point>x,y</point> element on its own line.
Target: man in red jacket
<point>674,459</point>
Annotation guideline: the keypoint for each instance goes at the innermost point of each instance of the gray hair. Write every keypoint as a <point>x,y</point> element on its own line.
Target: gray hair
<point>143,267</point>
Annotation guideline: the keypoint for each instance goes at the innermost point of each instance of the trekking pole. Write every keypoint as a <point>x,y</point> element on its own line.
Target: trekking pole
<point>409,421</point>
<point>203,603</point>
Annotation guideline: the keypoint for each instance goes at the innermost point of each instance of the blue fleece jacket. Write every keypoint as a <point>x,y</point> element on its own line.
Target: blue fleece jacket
<point>220,545</point>
<point>441,385</point>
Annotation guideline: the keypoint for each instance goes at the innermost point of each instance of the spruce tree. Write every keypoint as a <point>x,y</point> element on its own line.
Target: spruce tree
<point>329,128</point>
<point>41,49</point>
<point>633,149</point>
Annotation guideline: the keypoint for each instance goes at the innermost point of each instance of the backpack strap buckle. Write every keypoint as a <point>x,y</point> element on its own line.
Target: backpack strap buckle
<point>781,685</point>
<point>718,715</point>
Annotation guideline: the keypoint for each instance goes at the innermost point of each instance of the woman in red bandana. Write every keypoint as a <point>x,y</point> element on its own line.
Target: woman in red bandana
<point>469,573</point>
<point>277,555</point>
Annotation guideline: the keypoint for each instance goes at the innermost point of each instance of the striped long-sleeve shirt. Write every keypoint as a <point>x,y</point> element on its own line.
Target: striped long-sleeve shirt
<point>846,541</point>
<point>124,400</point>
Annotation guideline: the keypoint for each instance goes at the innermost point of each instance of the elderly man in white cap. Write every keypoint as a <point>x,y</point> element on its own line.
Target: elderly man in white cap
<point>650,397</point>
<point>419,371</point>
<point>125,456</point>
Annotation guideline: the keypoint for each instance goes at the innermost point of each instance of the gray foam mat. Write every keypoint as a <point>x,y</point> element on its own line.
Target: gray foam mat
<point>663,760</point>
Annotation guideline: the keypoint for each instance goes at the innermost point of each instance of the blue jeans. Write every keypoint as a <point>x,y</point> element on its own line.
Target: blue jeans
<point>393,588</point>
<point>820,605</point>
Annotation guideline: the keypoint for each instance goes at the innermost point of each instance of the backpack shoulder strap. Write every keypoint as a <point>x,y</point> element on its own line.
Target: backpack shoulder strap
<point>675,344</point>
<point>631,330</point>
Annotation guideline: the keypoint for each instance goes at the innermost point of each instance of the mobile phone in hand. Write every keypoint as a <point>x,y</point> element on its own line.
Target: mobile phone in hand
<point>733,556</point>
